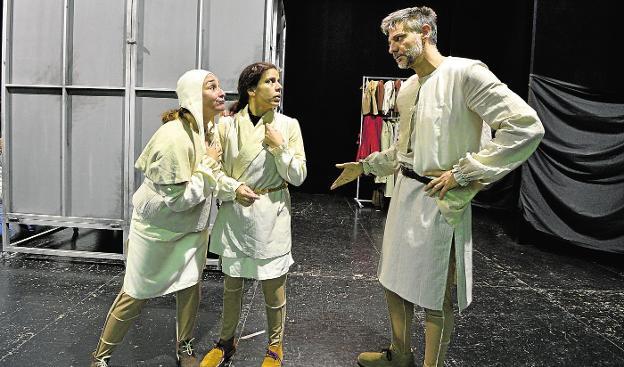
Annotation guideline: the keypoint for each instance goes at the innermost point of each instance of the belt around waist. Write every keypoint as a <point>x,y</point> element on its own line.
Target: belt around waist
<point>415,176</point>
<point>271,189</point>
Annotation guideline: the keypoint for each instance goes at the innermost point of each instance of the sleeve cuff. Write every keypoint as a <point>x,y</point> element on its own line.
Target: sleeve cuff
<point>459,176</point>
<point>278,149</point>
<point>365,167</point>
<point>210,163</point>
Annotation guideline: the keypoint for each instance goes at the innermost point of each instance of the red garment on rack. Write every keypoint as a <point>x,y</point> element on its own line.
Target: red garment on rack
<point>370,140</point>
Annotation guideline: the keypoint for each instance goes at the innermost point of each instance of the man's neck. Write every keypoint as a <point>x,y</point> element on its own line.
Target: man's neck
<point>428,62</point>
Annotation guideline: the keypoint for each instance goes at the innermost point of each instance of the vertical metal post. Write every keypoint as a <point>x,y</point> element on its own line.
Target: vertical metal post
<point>129,120</point>
<point>357,187</point>
<point>4,122</point>
<point>533,31</point>
<point>65,196</point>
<point>268,17</point>
<point>282,56</point>
<point>200,33</point>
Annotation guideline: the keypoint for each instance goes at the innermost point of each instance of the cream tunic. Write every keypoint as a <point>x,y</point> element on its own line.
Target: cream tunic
<point>255,241</point>
<point>443,115</point>
<point>168,236</point>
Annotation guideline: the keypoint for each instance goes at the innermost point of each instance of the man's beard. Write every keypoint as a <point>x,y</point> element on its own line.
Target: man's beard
<point>410,57</point>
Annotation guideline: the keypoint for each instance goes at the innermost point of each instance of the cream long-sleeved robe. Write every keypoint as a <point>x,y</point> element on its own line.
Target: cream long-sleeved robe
<point>444,114</point>
<point>261,231</point>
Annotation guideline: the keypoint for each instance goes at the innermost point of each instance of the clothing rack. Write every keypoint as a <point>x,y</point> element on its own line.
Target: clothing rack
<point>392,116</point>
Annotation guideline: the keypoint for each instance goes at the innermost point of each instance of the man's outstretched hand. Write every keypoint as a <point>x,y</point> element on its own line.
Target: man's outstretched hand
<point>350,171</point>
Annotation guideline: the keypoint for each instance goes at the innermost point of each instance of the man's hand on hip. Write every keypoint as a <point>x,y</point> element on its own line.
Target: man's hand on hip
<point>443,182</point>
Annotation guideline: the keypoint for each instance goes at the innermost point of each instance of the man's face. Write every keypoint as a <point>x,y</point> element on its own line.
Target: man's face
<point>268,93</point>
<point>404,45</point>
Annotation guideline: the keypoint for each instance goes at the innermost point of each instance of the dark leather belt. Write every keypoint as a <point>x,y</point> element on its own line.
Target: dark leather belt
<point>413,175</point>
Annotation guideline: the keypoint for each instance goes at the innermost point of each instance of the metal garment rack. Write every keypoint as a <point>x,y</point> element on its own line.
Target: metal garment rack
<point>365,80</point>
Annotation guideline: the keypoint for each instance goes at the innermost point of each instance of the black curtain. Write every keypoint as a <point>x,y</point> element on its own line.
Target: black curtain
<point>573,186</point>
<point>331,44</point>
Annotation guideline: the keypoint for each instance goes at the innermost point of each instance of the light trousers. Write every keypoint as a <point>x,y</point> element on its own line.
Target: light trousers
<point>275,303</point>
<point>438,323</point>
<point>125,309</point>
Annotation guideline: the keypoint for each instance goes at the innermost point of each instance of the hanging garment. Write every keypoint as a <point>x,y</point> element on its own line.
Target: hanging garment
<point>369,98</point>
<point>397,86</point>
<point>370,140</point>
<point>380,96</point>
<point>388,100</point>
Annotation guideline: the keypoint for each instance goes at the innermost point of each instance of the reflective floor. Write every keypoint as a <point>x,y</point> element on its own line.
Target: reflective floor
<point>537,302</point>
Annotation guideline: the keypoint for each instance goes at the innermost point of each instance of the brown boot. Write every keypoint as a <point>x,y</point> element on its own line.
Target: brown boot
<point>220,354</point>
<point>99,362</point>
<point>274,356</point>
<point>386,358</point>
<point>186,354</point>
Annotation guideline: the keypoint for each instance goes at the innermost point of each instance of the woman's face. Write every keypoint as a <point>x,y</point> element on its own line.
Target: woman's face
<point>268,93</point>
<point>213,97</point>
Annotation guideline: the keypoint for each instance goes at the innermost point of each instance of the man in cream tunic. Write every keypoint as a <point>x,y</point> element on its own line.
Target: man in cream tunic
<point>446,111</point>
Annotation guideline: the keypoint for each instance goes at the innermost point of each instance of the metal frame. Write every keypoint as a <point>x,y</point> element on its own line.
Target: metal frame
<point>365,79</point>
<point>131,91</point>
<point>65,91</point>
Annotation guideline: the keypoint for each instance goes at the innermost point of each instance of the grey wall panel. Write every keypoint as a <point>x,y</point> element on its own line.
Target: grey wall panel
<point>35,153</point>
<point>36,42</point>
<point>96,168</point>
<point>230,46</point>
<point>148,112</point>
<point>98,41</point>
<point>166,41</point>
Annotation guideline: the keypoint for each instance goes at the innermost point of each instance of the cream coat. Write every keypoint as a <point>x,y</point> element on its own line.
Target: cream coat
<point>262,230</point>
<point>442,119</point>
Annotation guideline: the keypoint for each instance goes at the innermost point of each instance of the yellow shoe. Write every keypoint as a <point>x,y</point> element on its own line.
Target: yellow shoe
<point>220,354</point>
<point>386,358</point>
<point>274,356</point>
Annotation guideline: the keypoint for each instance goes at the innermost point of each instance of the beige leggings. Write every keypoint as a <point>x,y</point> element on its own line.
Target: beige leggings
<point>125,309</point>
<point>438,323</point>
<point>275,302</point>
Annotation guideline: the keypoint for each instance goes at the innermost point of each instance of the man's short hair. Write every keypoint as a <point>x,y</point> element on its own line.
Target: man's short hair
<point>413,19</point>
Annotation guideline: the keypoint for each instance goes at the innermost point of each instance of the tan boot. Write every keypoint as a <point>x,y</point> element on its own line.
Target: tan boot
<point>186,354</point>
<point>386,358</point>
<point>274,356</point>
<point>220,354</point>
<point>99,362</point>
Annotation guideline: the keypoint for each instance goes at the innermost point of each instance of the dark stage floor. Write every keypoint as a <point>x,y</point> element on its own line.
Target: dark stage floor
<point>535,304</point>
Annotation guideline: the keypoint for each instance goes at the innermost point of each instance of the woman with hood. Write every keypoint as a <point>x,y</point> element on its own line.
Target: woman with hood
<point>263,149</point>
<point>168,236</point>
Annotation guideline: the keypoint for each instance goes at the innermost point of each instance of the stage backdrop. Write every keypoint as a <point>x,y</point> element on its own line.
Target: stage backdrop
<point>331,44</point>
<point>573,186</point>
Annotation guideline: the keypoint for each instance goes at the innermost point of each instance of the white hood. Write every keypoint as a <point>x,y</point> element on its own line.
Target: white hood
<point>189,91</point>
